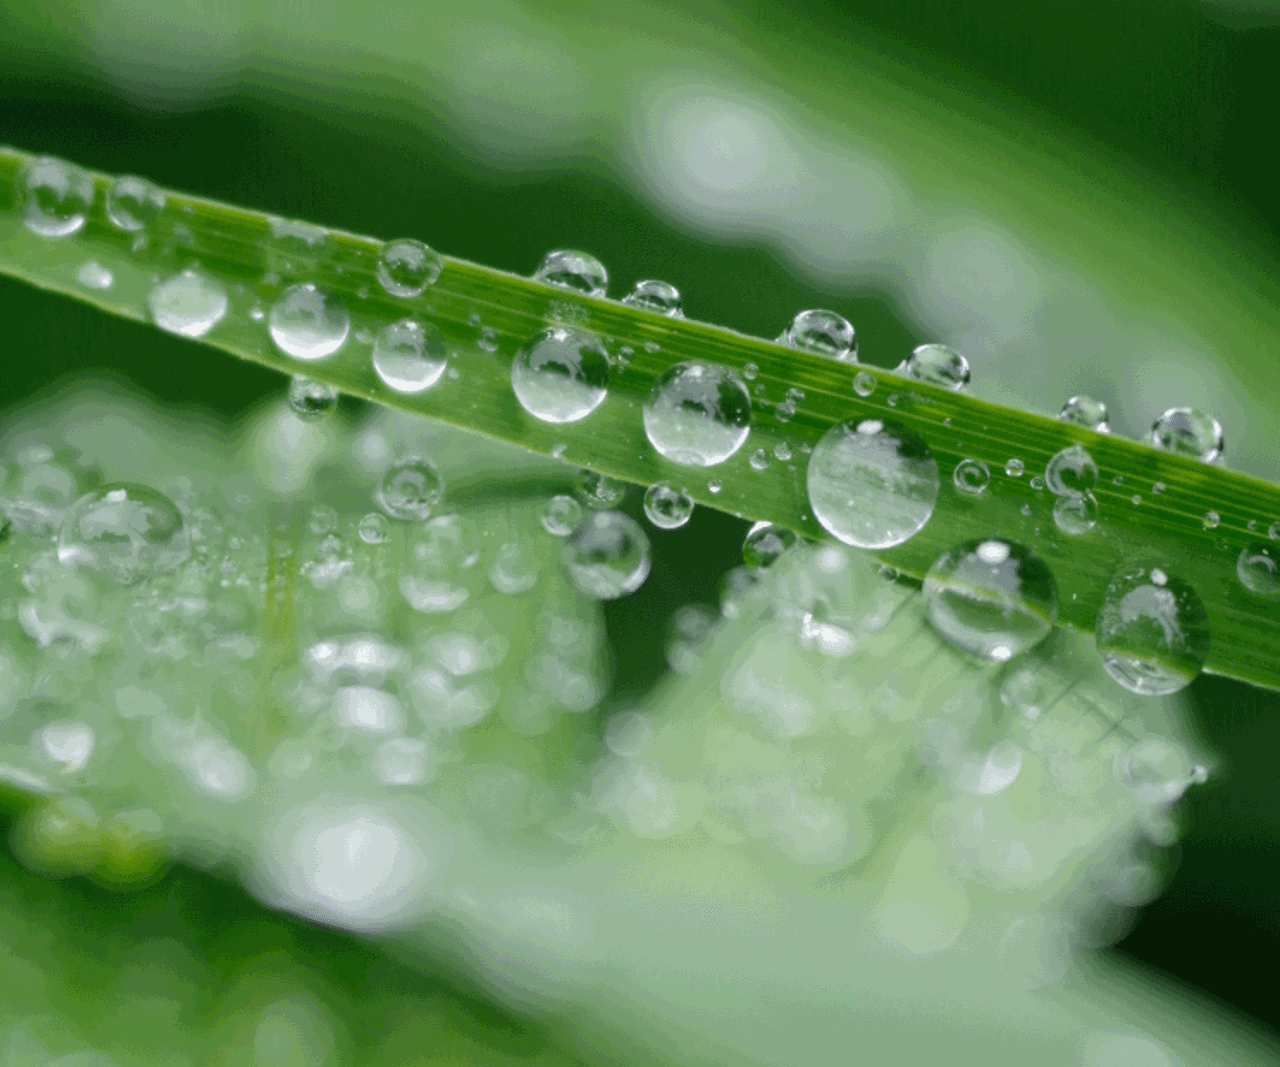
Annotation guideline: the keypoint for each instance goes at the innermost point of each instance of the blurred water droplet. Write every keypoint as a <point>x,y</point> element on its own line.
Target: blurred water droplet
<point>311,400</point>
<point>1071,472</point>
<point>864,383</point>
<point>750,371</point>
<point>784,411</point>
<point>782,452</point>
<point>1076,515</point>
<point>1085,411</point>
<point>308,322</point>
<point>296,248</point>
<point>759,459</point>
<point>1037,482</point>
<point>1158,487</point>
<point>697,414</point>
<point>578,271</point>
<point>409,356</point>
<point>824,333</point>
<point>93,275</point>
<point>488,339</point>
<point>54,197</point>
<point>127,531</point>
<point>189,303</point>
<point>411,489</point>
<point>133,203</point>
<point>561,515</point>
<point>1187,432</point>
<point>937,365</point>
<point>373,528</point>
<point>607,556</point>
<point>667,506</point>
<point>1014,467</point>
<point>598,491</point>
<point>655,296</point>
<point>714,485</point>
<point>561,374</point>
<point>1211,520</point>
<point>1158,771</point>
<point>1259,569</point>
<point>406,267</point>
<point>971,476</point>
<point>765,542</point>
<point>515,568</point>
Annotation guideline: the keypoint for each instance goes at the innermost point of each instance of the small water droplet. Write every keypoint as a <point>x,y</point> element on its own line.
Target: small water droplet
<point>784,411</point>
<point>971,476</point>
<point>324,519</point>
<point>1085,411</point>
<point>411,489</point>
<point>257,313</point>
<point>311,400</point>
<point>782,452</point>
<point>607,556</point>
<point>892,400</point>
<point>409,356</point>
<point>374,529</point>
<point>515,568</point>
<point>1037,483</point>
<point>654,296</point>
<point>1025,510</point>
<point>697,414</point>
<point>1076,515</point>
<point>937,365</point>
<point>667,506</point>
<point>598,491</point>
<point>308,322</point>
<point>406,267</point>
<point>1259,569</point>
<point>765,542</point>
<point>126,531</point>
<point>714,485</point>
<point>1188,432</point>
<point>577,271</point>
<point>1014,467</point>
<point>133,203</point>
<point>488,339</point>
<point>189,303</point>
<point>1273,531</point>
<point>864,383</point>
<point>54,197</point>
<point>93,275</point>
<point>561,515</point>
<point>558,450</point>
<point>1158,487</point>
<point>561,374</point>
<point>750,371</point>
<point>1157,770</point>
<point>474,320</point>
<point>1211,520</point>
<point>759,460</point>
<point>824,333</point>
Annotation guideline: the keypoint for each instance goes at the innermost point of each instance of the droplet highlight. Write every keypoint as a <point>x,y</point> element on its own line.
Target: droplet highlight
<point>1258,568</point>
<point>1084,411</point>
<point>825,333</point>
<point>133,203</point>
<point>598,491</point>
<point>971,476</point>
<point>311,400</point>
<point>561,374</point>
<point>1187,432</point>
<point>658,297</point>
<point>561,515</point>
<point>409,356</point>
<point>765,543</point>
<point>411,489</point>
<point>54,197</point>
<point>126,531</point>
<point>937,365</point>
<point>407,267</point>
<point>308,322</point>
<point>190,303</point>
<point>697,414</point>
<point>576,271</point>
<point>667,506</point>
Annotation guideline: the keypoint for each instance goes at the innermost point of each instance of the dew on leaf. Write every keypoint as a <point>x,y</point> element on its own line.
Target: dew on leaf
<point>1187,432</point>
<point>409,356</point>
<point>406,267</point>
<point>308,322</point>
<point>765,542</point>
<point>373,528</point>
<point>561,374</point>
<point>1075,515</point>
<point>411,489</point>
<point>577,271</point>
<point>54,197</point>
<point>598,491</point>
<point>825,333</point>
<point>971,476</point>
<point>937,365</point>
<point>864,383</point>
<point>561,515</point>
<point>697,414</point>
<point>1258,568</point>
<point>1084,411</point>
<point>667,506</point>
<point>190,303</point>
<point>1014,467</point>
<point>93,275</point>
<point>656,296</point>
<point>1071,472</point>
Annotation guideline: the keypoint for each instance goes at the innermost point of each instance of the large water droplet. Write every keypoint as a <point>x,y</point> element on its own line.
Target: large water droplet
<point>697,414</point>
<point>1259,569</point>
<point>598,491</point>
<point>311,400</point>
<point>991,598</point>
<point>409,356</point>
<point>133,203</point>
<point>561,515</point>
<point>308,322</point>
<point>872,483</point>
<point>54,197</point>
<point>764,543</point>
<point>608,555</point>
<point>1085,411</point>
<point>971,476</point>
<point>1071,472</point>
<point>937,365</point>
<point>824,333</point>
<point>411,489</point>
<point>406,267</point>
<point>655,296</point>
<point>1075,515</point>
<point>126,531</point>
<point>190,303</point>
<point>1152,631</point>
<point>567,269</point>
<point>1188,432</point>
<point>561,374</point>
<point>667,506</point>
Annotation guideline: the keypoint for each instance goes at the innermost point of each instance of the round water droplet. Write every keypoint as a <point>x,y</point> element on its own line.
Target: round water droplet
<point>406,267</point>
<point>578,271</point>
<point>991,598</point>
<point>190,303</point>
<point>1211,520</point>
<point>824,333</point>
<point>667,506</point>
<point>782,452</point>
<point>515,568</point>
<point>937,365</point>
<point>1259,569</point>
<point>411,489</point>
<point>1152,631</point>
<point>655,296</point>
<point>697,414</point>
<point>561,515</point>
<point>598,491</point>
<point>1158,487</point>
<point>561,374</point>
<point>93,275</point>
<point>126,531</point>
<point>872,483</point>
<point>374,528</point>
<point>1076,515</point>
<point>409,356</point>
<point>1085,411</point>
<point>765,542</point>
<point>488,339</point>
<point>54,197</point>
<point>714,485</point>
<point>1037,483</point>
<point>1188,432</point>
<point>133,203</point>
<point>308,322</point>
<point>1071,472</point>
<point>1014,467</point>
<point>311,400</point>
<point>759,460</point>
<point>750,371</point>
<point>971,476</point>
<point>607,556</point>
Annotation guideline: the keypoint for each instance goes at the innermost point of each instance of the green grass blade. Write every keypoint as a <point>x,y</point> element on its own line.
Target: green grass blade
<point>235,246</point>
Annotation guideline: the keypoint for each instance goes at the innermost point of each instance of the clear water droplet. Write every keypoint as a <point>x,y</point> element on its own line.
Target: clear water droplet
<point>311,400</point>
<point>765,542</point>
<point>126,531</point>
<point>872,483</point>
<point>864,383</point>
<point>406,267</point>
<point>784,411</point>
<point>1273,531</point>
<point>1037,482</point>
<point>759,460</point>
<point>93,275</point>
<point>1014,467</point>
<point>1259,569</point>
<point>488,339</point>
<point>655,296</point>
<point>1076,515</point>
<point>515,568</point>
<point>308,322</point>
<point>409,356</point>
<point>824,333</point>
<point>667,506</point>
<point>750,371</point>
<point>991,598</point>
<point>1153,631</point>
<point>1211,520</point>
<point>561,515</point>
<point>1188,432</point>
<point>697,414</point>
<point>578,271</point>
<point>937,365</point>
<point>714,485</point>
<point>411,489</point>
<point>607,556</point>
<point>324,519</point>
<point>561,374</point>
<point>54,197</point>
<point>189,303</point>
<point>1084,411</point>
<point>133,203</point>
<point>782,452</point>
<point>373,528</point>
<point>1025,509</point>
<point>1136,499</point>
<point>598,491</point>
<point>1071,472</point>
<point>892,400</point>
<point>1158,487</point>
<point>971,476</point>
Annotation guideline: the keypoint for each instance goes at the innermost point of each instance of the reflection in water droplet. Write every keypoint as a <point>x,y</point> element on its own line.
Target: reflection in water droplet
<point>1071,472</point>
<point>307,322</point>
<point>937,365</point>
<point>373,528</point>
<point>655,296</point>
<point>406,267</point>
<point>311,400</point>
<point>667,506</point>
<point>1014,467</point>
<point>1188,432</point>
<point>864,383</point>
<point>561,374</point>
<point>765,542</point>
<point>411,489</point>
<point>1211,520</point>
<point>515,568</point>
<point>127,531</point>
<point>598,491</point>
<point>971,476</point>
<point>824,333</point>
<point>190,303</point>
<point>409,356</point>
<point>782,452</point>
<point>1259,569</point>
<point>561,515</point>
<point>1158,771</point>
<point>714,485</point>
<point>54,197</point>
<point>577,271</point>
<point>1076,515</point>
<point>607,556</point>
<point>133,203</point>
<point>697,414</point>
<point>872,483</point>
<point>1085,411</point>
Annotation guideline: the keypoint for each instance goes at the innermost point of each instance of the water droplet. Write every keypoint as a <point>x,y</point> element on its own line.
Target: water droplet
<point>1071,472</point>
<point>561,374</point>
<point>1025,509</point>
<point>133,203</point>
<point>324,519</point>
<point>295,247</point>
<point>409,356</point>
<point>864,383</point>
<point>1136,499</point>
<point>374,528</point>
<point>1152,631</point>
<point>937,365</point>
<point>311,400</point>
<point>1211,520</point>
<point>714,485</point>
<point>1076,515</point>
<point>190,303</point>
<point>488,339</point>
<point>784,411</point>
<point>578,271</point>
<point>1158,487</point>
<point>824,333</point>
<point>406,267</point>
<point>1014,467</point>
<point>515,568</point>
<point>697,414</point>
<point>892,400</point>
<point>411,489</point>
<point>1259,569</point>
<point>1037,483</point>
<point>872,483</point>
<point>54,197</point>
<point>93,275</point>
<point>667,506</point>
<point>1273,531</point>
<point>971,476</point>
<point>307,322</point>
<point>1188,432</point>
<point>607,556</point>
<point>474,320</point>
<point>598,491</point>
<point>1085,411</point>
<point>750,371</point>
<point>759,460</point>
<point>765,542</point>
<point>653,296</point>
<point>1158,771</point>
<point>782,452</point>
<point>991,598</point>
<point>126,531</point>
<point>561,515</point>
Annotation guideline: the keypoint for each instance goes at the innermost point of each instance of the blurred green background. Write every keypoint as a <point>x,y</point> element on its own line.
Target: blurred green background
<point>1154,119</point>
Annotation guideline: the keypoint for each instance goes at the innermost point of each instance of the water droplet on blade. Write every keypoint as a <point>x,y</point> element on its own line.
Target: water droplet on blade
<point>971,476</point>
<point>93,275</point>
<point>1084,411</point>
<point>406,267</point>
<point>598,491</point>
<point>697,414</point>
<point>1188,432</point>
<point>1014,467</point>
<point>824,333</point>
<point>1259,569</point>
<point>1211,520</point>
<point>1071,472</point>
<point>308,322</point>
<point>54,197</point>
<point>126,531</point>
<point>765,542</point>
<point>133,203</point>
<point>311,400</point>
<point>561,374</point>
<point>667,506</point>
<point>607,556</point>
<point>864,383</point>
<point>561,515</point>
<point>578,271</point>
<point>190,303</point>
<point>411,489</point>
<point>1076,515</point>
<point>655,296</point>
<point>937,365</point>
<point>373,528</point>
<point>409,356</point>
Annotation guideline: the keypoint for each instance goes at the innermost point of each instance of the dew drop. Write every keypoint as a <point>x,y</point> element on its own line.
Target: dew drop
<point>750,371</point>
<point>1076,515</point>
<point>307,322</point>
<point>607,556</point>
<point>515,568</point>
<point>189,303</point>
<point>971,476</point>
<point>824,333</point>
<point>1025,510</point>
<point>1152,631</point>
<point>782,452</point>
<point>54,197</point>
<point>1188,432</point>
<point>1158,487</point>
<point>488,339</point>
<point>598,491</point>
<point>1014,467</point>
<point>1136,499</point>
<point>937,365</point>
<point>578,271</point>
<point>561,515</point>
<point>1259,569</point>
<point>133,203</point>
<point>784,411</point>
<point>93,275</point>
<point>295,247</point>
<point>667,506</point>
<point>1211,520</point>
<point>561,374</point>
<point>765,542</point>
<point>1084,411</point>
<point>411,489</point>
<point>1037,482</point>
<point>864,383</point>
<point>714,485</point>
<point>1071,472</point>
<point>126,531</point>
<point>1157,770</point>
<point>1273,531</point>
<point>374,529</point>
<point>872,483</point>
<point>311,400</point>
<point>759,460</point>
<point>406,267</point>
<point>654,296</point>
<point>697,414</point>
<point>409,356</point>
